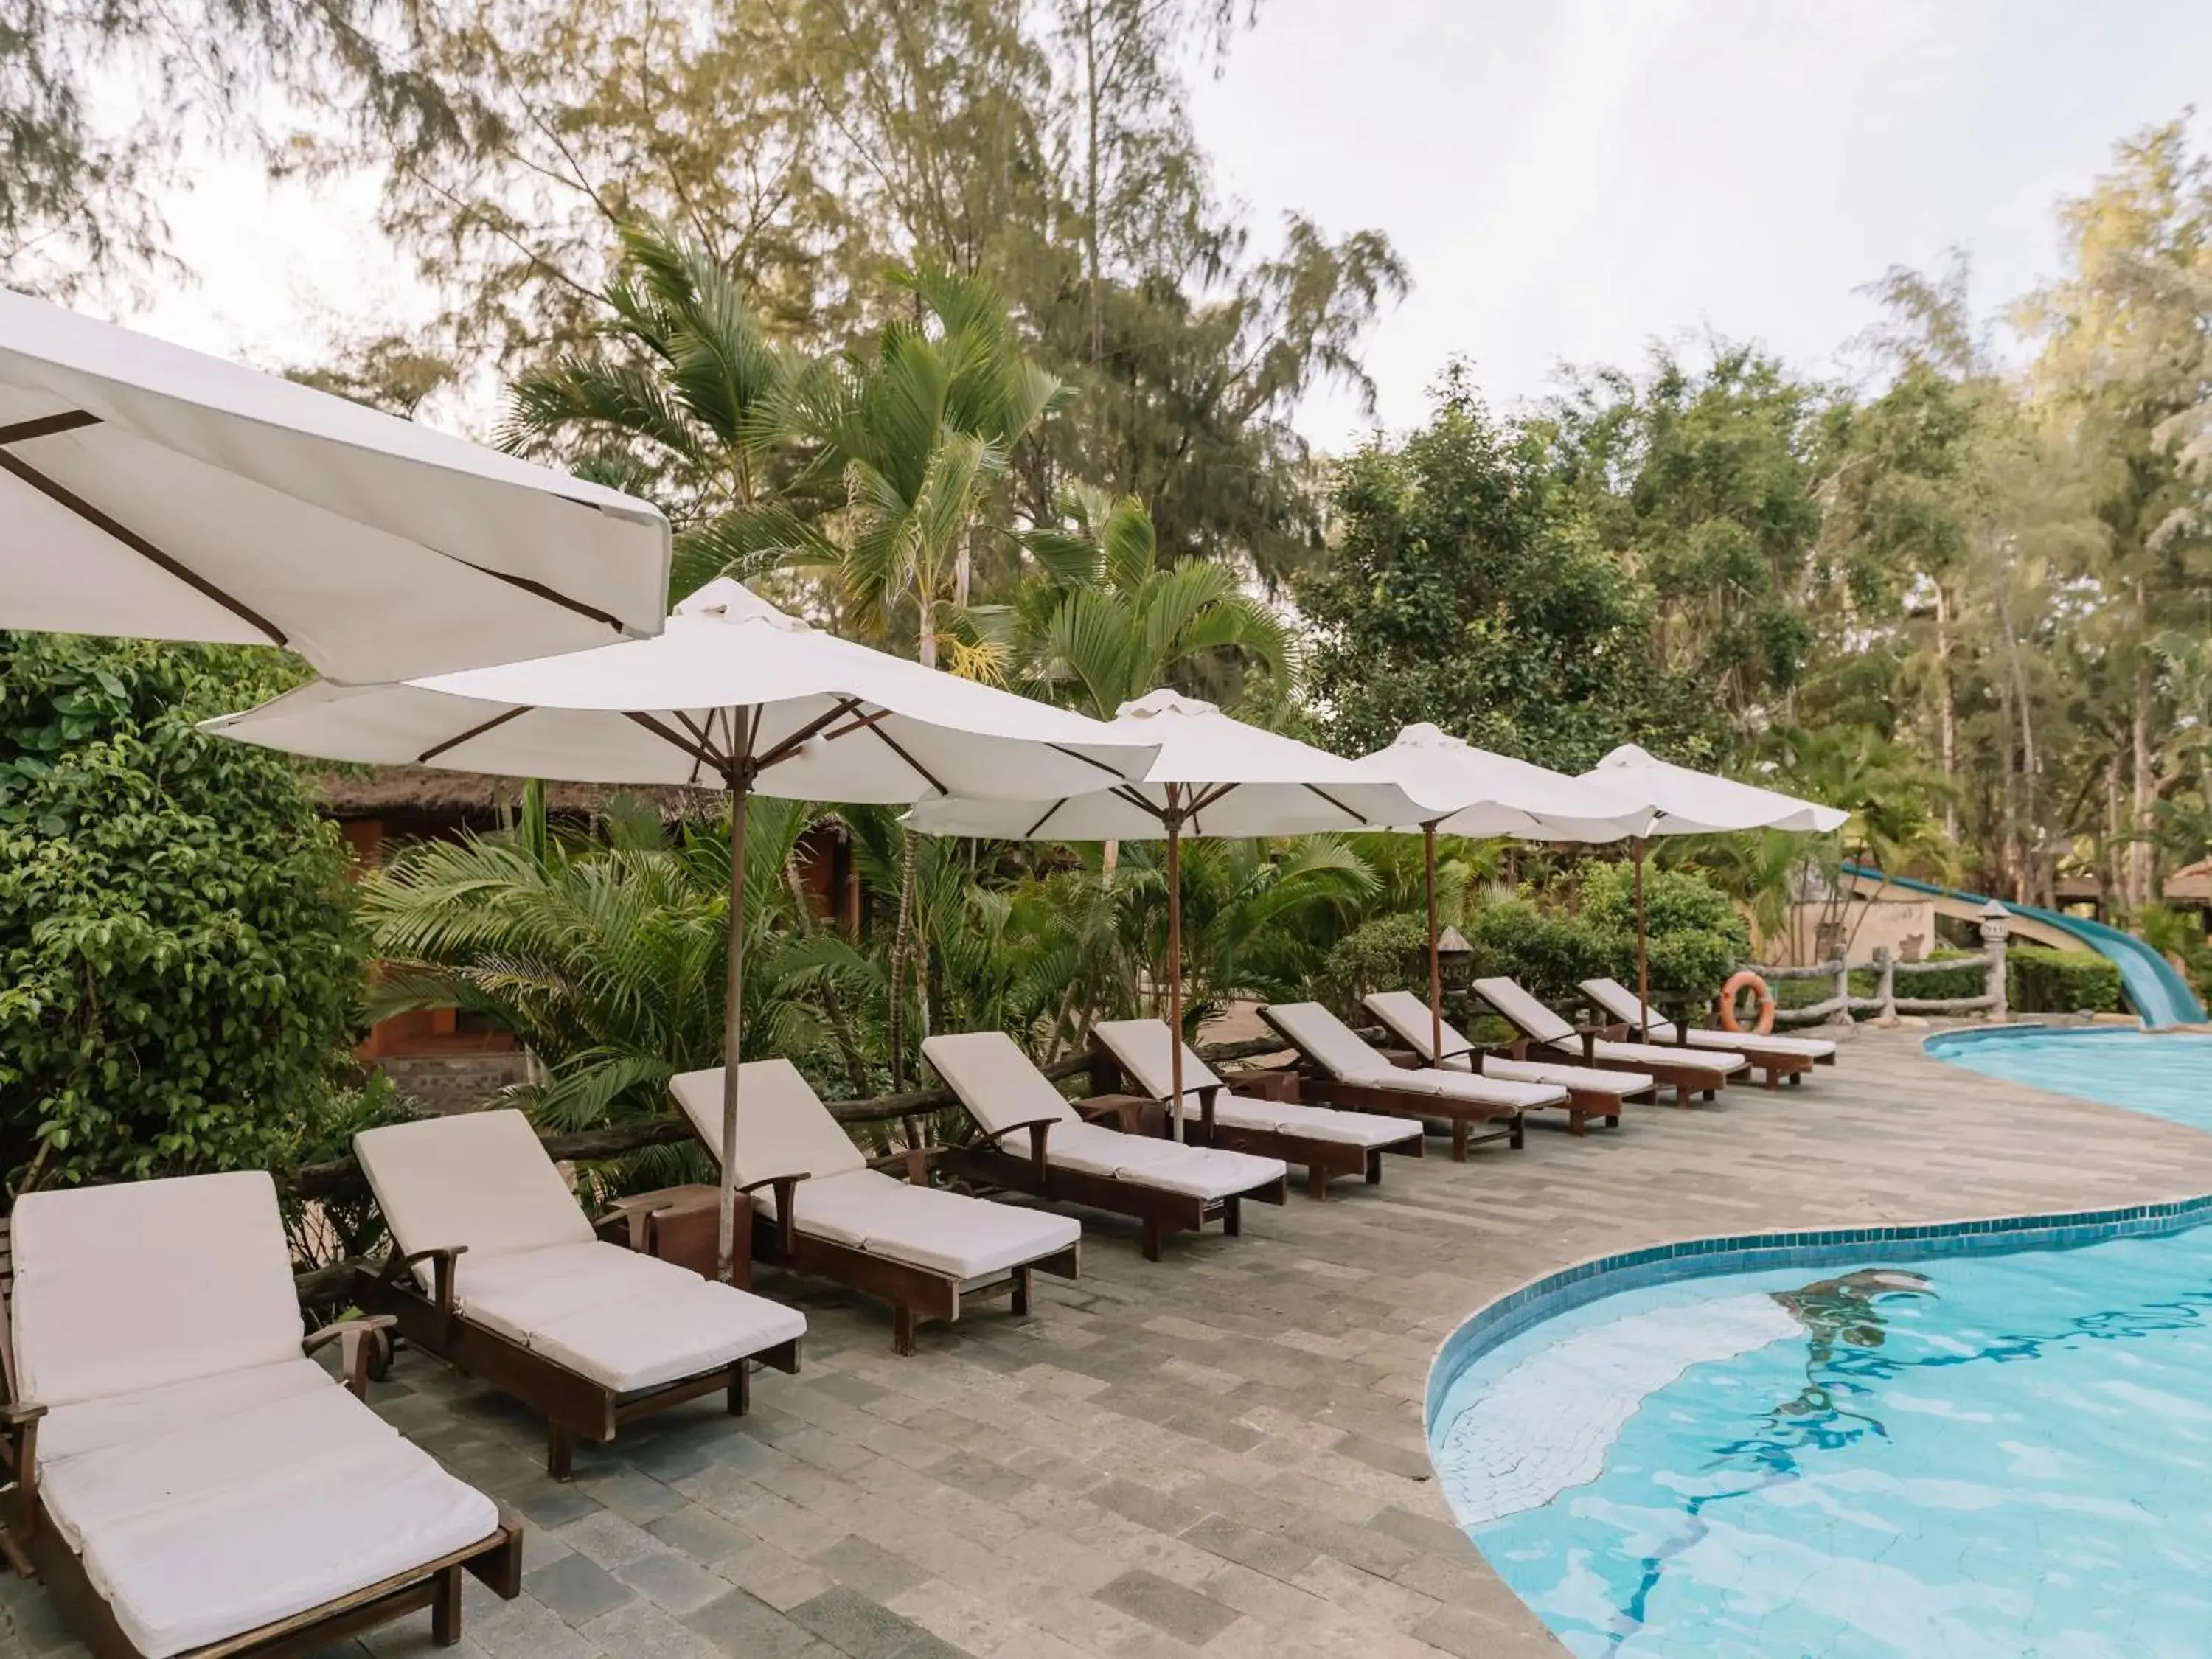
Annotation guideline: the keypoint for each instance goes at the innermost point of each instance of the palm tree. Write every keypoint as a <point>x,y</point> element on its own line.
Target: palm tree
<point>920,429</point>
<point>1108,623</point>
<point>684,403</point>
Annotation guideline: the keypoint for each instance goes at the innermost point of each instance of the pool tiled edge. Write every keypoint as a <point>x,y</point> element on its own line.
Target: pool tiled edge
<point>1586,1281</point>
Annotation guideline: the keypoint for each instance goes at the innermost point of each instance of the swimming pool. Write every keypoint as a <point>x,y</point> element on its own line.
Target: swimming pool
<point>1983,1455</point>
<point>2166,1074</point>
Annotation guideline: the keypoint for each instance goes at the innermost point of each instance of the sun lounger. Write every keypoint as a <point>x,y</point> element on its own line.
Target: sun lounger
<point>1777,1056</point>
<point>185,1479</point>
<point>1689,1070</point>
<point>495,1269</point>
<point>1032,1140</point>
<point>1343,1071</point>
<point>819,1208</point>
<point>1592,1091</point>
<point>1326,1143</point>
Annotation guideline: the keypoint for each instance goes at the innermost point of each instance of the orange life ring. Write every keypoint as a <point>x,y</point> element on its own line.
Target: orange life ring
<point>1751,982</point>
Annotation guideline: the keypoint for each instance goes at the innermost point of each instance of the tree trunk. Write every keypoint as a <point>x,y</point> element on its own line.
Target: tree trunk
<point>1946,715</point>
<point>1092,96</point>
<point>2142,854</point>
<point>925,642</point>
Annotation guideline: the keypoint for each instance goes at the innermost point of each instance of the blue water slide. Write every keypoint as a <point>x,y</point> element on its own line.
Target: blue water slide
<point>2157,991</point>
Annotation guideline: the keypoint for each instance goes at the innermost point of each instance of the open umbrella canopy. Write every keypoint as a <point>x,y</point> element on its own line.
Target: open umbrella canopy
<point>1214,776</point>
<point>149,491</point>
<point>1481,795</point>
<point>735,693</point>
<point>733,685</point>
<point>1688,802</point>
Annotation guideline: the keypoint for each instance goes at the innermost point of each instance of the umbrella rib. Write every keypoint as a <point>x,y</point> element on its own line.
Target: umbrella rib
<point>1356,818</point>
<point>138,544</point>
<point>660,729</point>
<point>791,745</point>
<point>539,590</point>
<point>1076,754</point>
<point>474,732</point>
<point>699,756</point>
<point>1031,831</point>
<point>1130,793</point>
<point>46,426</point>
<point>893,745</point>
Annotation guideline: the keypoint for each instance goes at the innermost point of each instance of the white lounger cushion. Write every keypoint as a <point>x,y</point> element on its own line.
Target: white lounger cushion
<point>125,1288</point>
<point>1544,1026</point>
<point>480,1179</point>
<point>1141,1046</point>
<point>1619,1001</point>
<point>1322,1037</point>
<point>1409,1021</point>
<point>626,1320</point>
<point>147,1413</point>
<point>1002,1090</point>
<point>949,1233</point>
<point>201,1533</point>
<point>783,1129</point>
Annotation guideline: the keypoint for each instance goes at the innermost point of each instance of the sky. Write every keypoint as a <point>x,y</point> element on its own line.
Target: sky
<point>1568,181</point>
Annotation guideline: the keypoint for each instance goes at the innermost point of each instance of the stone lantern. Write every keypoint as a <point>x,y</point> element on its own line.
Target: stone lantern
<point>1996,925</point>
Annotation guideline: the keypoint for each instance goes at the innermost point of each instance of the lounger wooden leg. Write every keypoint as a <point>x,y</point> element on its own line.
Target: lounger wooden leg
<point>902,1329</point>
<point>1709,1094</point>
<point>1232,1216</point>
<point>1613,1122</point>
<point>446,1608</point>
<point>1577,1125</point>
<point>1520,1131</point>
<point>1773,1077</point>
<point>1797,1077</point>
<point>1023,1278</point>
<point>1681,1096</point>
<point>1317,1181</point>
<point>739,1399</point>
<point>1458,1141</point>
<point>1152,1239</point>
<point>1374,1166</point>
<point>560,1451</point>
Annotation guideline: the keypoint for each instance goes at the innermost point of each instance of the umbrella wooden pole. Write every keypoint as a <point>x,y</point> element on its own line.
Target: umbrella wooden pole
<point>1435,967</point>
<point>1175,964</point>
<point>733,1011</point>
<point>1643,957</point>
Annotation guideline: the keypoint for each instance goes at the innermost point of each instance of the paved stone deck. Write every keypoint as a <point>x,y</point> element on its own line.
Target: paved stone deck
<point>1221,1454</point>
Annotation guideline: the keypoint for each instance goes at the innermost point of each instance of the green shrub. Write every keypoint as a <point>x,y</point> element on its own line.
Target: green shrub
<point>1940,986</point>
<point>2041,980</point>
<point>178,974</point>
<point>1384,953</point>
<point>1695,936</point>
<point>1548,951</point>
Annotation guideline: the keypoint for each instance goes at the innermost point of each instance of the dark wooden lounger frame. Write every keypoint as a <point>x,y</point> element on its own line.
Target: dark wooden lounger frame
<point>1687,1080</point>
<point>574,1406</point>
<point>1323,1160</point>
<point>916,1293</point>
<point>1777,1066</point>
<point>38,1551</point>
<point>1321,1087</point>
<point>1158,1210</point>
<point>1584,1103</point>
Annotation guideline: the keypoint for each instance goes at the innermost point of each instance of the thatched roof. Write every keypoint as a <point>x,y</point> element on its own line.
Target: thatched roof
<point>430,792</point>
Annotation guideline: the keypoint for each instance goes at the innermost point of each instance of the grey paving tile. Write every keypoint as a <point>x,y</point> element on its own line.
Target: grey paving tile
<point>1167,1605</point>
<point>739,1624</point>
<point>873,1571</point>
<point>577,1588</point>
<point>857,1626</point>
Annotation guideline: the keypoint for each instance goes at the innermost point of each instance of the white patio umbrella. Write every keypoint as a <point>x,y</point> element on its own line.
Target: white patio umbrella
<point>1481,795</point>
<point>734,693</point>
<point>1684,801</point>
<point>149,491</point>
<point>1214,777</point>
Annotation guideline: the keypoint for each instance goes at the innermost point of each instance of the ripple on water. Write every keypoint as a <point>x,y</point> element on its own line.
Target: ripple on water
<point>2003,1456</point>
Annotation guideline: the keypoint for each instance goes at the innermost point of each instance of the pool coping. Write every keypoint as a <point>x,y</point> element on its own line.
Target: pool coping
<point>1567,1288</point>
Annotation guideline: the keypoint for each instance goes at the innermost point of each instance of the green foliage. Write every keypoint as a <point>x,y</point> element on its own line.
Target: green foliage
<point>1464,591</point>
<point>178,974</point>
<point>1384,953</point>
<point>1549,951</point>
<point>1695,937</point>
<point>2038,980</point>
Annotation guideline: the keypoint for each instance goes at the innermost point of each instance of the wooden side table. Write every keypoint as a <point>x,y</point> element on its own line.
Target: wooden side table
<point>681,1224</point>
<point>1278,1085</point>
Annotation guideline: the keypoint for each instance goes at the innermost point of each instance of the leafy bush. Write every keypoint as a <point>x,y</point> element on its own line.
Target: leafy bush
<point>1695,937</point>
<point>2041,980</point>
<point>1941,985</point>
<point>1384,953</point>
<point>1549,952</point>
<point>178,972</point>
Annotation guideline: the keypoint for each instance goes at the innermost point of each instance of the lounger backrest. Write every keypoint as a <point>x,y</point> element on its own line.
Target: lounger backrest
<point>1408,1017</point>
<point>1325,1040</point>
<point>1139,1047</point>
<point>995,1080</point>
<point>154,1282</point>
<point>1618,1001</point>
<point>477,1178</point>
<point>783,1127</point>
<point>1524,1010</point>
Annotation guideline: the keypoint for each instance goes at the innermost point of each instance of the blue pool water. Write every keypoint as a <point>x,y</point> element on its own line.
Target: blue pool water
<point>2167,1074</point>
<point>1979,1456</point>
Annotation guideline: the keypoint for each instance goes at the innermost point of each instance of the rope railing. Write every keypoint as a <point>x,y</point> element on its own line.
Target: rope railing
<point>1885,1003</point>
